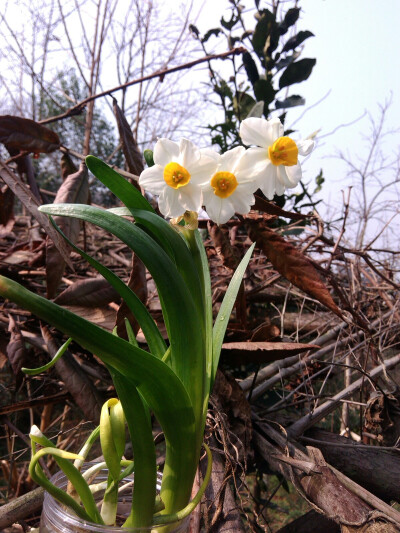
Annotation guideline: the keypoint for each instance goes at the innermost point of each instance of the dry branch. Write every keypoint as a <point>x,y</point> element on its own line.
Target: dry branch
<point>330,405</point>
<point>78,108</point>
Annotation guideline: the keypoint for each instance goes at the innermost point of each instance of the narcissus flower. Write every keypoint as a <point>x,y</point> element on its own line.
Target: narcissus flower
<point>178,171</point>
<point>275,157</point>
<point>231,188</point>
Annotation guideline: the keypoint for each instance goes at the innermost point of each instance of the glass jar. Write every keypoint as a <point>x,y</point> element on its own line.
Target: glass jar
<point>56,518</point>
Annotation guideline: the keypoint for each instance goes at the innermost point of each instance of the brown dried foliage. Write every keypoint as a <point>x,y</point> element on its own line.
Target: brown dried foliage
<point>26,135</point>
<point>293,265</point>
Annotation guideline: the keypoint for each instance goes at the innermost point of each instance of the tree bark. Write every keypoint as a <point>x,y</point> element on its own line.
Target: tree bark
<point>376,469</point>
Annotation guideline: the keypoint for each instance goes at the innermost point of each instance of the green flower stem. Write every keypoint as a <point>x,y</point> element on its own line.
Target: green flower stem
<point>84,451</point>
<point>60,352</point>
<point>183,513</point>
<point>89,511</point>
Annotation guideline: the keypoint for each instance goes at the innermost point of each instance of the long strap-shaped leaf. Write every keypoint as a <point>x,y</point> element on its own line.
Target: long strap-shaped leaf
<point>161,388</point>
<point>181,315</point>
<point>225,310</point>
<point>153,336</point>
<point>172,243</point>
<point>122,189</point>
<point>199,255</point>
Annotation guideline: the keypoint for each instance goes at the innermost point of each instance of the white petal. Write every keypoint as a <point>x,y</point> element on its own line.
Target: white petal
<point>267,181</point>
<point>165,151</point>
<point>152,179</point>
<point>294,175</point>
<point>260,132</point>
<point>202,173</point>
<point>306,146</point>
<point>281,183</point>
<point>220,210</point>
<point>253,162</point>
<point>230,159</point>
<point>190,197</point>
<point>241,201</point>
<point>208,153</point>
<point>189,154</point>
<point>168,203</point>
<point>276,128</point>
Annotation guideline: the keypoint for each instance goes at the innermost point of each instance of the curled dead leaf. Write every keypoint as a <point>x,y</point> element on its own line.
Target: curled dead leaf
<point>92,292</point>
<point>75,189</point>
<point>23,134</point>
<point>272,209</point>
<point>133,156</point>
<point>227,253</point>
<point>293,265</point>
<point>262,352</point>
<point>16,351</point>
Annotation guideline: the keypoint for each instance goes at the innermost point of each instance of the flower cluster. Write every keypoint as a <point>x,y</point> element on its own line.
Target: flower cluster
<point>186,178</point>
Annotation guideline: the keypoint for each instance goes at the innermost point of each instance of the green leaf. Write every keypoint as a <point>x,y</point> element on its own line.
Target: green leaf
<point>62,461</point>
<point>297,72</point>
<point>250,68</point>
<point>117,184</point>
<point>243,103</point>
<point>264,91</point>
<point>262,31</point>
<point>140,430</point>
<point>291,17</point>
<point>213,31</point>
<point>286,61</point>
<point>225,310</point>
<point>257,110</point>
<point>60,352</point>
<point>153,336</point>
<point>319,180</point>
<point>295,41</point>
<point>290,101</point>
<point>228,25</point>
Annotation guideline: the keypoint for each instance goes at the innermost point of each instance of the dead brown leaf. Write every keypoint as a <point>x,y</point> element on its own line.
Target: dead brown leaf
<point>6,204</point>
<point>272,209</point>
<point>76,381</point>
<point>16,351</point>
<point>92,292</point>
<point>228,254</point>
<point>265,332</point>
<point>31,203</point>
<point>67,166</point>
<point>75,189</point>
<point>138,283</point>
<point>239,353</point>
<point>133,157</point>
<point>27,135</point>
<point>293,265</point>
<point>101,316</point>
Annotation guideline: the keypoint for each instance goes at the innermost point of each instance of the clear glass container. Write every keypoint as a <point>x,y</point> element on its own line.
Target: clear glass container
<point>56,518</point>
